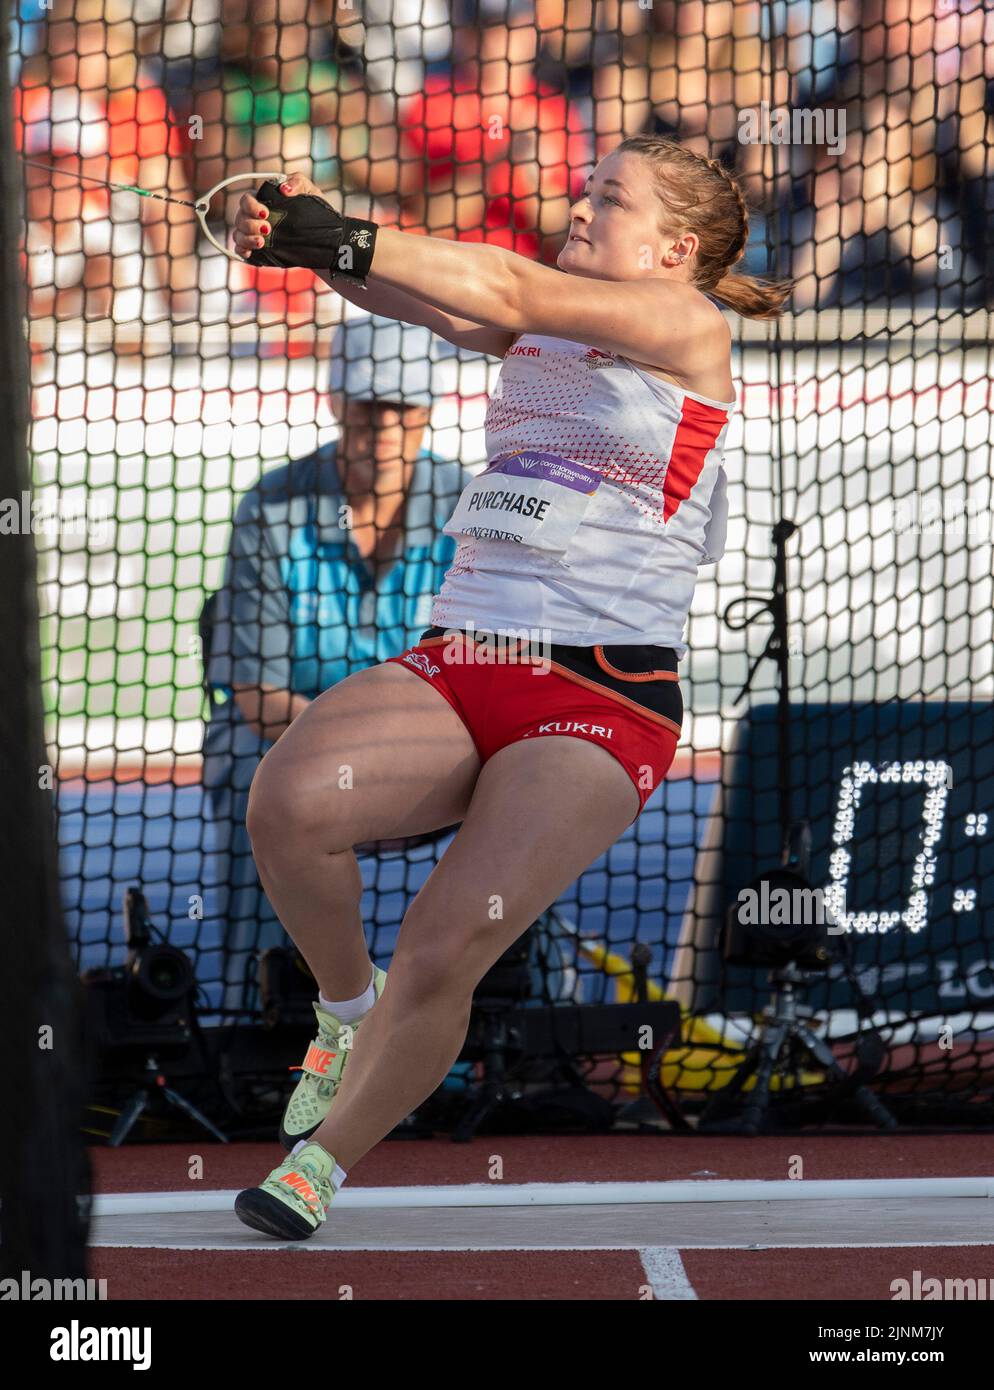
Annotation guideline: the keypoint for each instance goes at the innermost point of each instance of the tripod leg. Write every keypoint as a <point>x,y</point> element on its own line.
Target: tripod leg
<point>491,1091</point>
<point>712,1115</point>
<point>820,1050</point>
<point>874,1108</point>
<point>734,1087</point>
<point>181,1103</point>
<point>872,1105</point>
<point>758,1104</point>
<point>127,1117</point>
<point>485,1104</point>
<point>667,1105</point>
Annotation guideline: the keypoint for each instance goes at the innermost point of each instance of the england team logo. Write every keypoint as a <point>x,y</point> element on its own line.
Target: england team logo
<point>419,660</point>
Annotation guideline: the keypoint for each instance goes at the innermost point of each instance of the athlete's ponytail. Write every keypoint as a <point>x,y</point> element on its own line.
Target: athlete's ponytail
<point>701,196</point>
<point>754,299</point>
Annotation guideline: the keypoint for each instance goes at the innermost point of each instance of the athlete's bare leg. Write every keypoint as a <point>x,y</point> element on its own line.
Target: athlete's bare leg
<point>543,810</point>
<point>380,755</point>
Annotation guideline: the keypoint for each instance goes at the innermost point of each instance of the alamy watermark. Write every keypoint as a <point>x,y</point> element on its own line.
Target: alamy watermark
<point>948,513</point>
<point>929,1287</point>
<point>799,125</point>
<point>510,647</point>
<point>54,514</point>
<point>38,1289</point>
<point>778,906</point>
<point>81,1343</point>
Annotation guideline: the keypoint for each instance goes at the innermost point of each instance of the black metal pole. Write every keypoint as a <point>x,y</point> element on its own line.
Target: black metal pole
<point>43,1165</point>
<point>778,649</point>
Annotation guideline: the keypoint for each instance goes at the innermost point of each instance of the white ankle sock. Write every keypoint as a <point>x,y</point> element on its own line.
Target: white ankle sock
<point>351,1010</point>
<point>337,1177</point>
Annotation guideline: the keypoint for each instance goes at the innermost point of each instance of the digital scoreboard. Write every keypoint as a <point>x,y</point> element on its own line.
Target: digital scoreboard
<point>900,801</point>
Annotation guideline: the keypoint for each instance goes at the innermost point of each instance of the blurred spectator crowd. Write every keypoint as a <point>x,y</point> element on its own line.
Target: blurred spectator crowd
<point>480,119</point>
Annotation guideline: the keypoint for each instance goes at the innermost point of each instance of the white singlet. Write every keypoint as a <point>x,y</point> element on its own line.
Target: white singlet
<point>604,493</point>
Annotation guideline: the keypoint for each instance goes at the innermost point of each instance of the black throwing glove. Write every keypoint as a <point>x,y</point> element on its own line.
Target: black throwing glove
<point>307,231</point>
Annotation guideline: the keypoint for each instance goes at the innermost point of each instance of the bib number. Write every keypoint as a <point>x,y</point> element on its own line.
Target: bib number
<point>526,498</point>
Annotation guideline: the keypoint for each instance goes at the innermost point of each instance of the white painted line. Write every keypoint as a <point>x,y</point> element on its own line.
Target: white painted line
<point>665,1272</point>
<point>573,1194</point>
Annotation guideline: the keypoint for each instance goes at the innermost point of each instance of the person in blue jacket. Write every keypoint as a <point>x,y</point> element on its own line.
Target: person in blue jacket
<point>331,567</point>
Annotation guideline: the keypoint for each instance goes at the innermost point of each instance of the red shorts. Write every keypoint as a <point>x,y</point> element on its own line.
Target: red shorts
<point>625,698</point>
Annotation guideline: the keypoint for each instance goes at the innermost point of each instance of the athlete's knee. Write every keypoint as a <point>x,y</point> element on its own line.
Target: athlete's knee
<point>272,813</point>
<point>432,977</point>
<point>443,958</point>
<point>291,814</point>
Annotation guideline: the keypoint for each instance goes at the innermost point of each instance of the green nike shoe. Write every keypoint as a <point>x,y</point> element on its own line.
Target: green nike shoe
<point>293,1201</point>
<point>322,1072</point>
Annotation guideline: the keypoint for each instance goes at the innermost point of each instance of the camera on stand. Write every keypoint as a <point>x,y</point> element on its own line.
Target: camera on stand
<point>146,1002</point>
<point>789,936</point>
<point>141,1011</point>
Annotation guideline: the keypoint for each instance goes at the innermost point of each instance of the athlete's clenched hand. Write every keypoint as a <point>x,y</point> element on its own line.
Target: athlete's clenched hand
<point>251,225</point>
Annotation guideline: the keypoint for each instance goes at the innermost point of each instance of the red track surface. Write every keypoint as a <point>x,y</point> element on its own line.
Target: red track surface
<point>816,1273</point>
<point>535,1275</point>
<point>604,1158</point>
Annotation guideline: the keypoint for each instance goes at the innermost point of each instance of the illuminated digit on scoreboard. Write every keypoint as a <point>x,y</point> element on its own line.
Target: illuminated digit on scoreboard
<point>854,779</point>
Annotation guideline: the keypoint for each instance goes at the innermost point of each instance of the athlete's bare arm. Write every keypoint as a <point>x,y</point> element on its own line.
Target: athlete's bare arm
<point>398,304</point>
<point>666,324</point>
<point>661,321</point>
<point>267,709</point>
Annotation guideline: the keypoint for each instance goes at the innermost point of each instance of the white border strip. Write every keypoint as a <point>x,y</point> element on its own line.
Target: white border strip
<point>326,1246</point>
<point>571,1194</point>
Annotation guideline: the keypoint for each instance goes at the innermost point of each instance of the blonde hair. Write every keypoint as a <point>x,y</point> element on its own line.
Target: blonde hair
<point>701,196</point>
